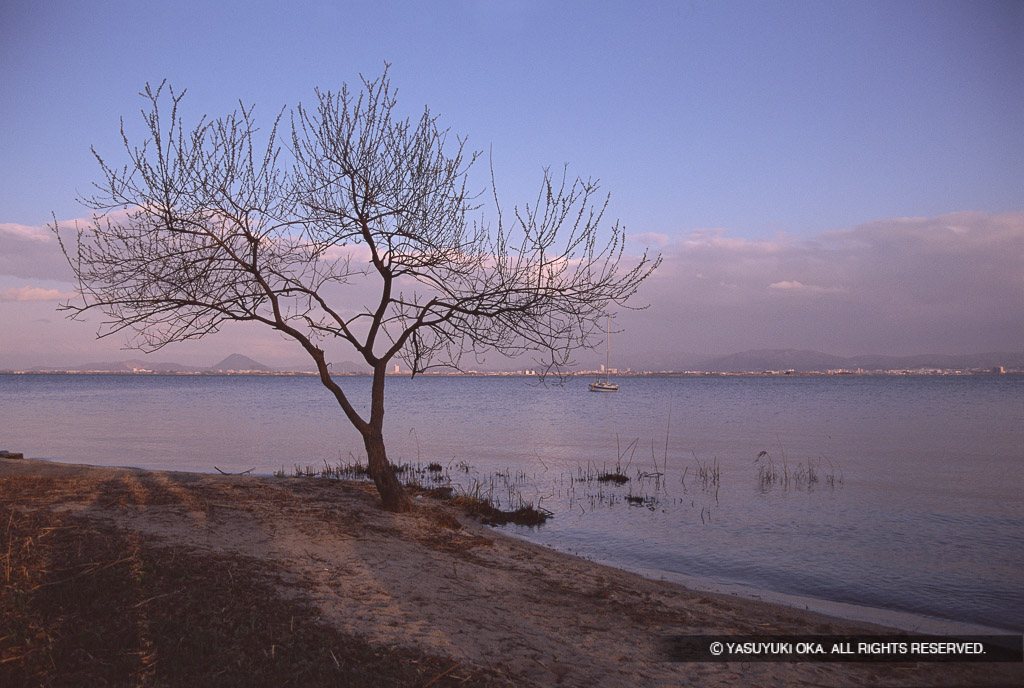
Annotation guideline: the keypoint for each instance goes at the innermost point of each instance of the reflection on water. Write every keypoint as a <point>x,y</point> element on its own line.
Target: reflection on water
<point>897,492</point>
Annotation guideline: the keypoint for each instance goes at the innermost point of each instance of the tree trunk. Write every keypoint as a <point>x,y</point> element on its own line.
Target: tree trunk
<point>392,494</point>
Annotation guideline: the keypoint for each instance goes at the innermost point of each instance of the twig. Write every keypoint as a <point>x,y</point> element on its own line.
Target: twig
<point>86,572</point>
<point>441,675</point>
<point>155,597</point>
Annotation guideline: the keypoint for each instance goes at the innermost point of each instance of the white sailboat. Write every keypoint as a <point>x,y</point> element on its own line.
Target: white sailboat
<point>605,385</point>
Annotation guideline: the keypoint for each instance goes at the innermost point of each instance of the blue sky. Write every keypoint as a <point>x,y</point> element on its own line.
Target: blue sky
<point>770,123</point>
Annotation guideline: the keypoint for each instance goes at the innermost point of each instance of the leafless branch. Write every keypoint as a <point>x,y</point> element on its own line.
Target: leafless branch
<point>220,222</point>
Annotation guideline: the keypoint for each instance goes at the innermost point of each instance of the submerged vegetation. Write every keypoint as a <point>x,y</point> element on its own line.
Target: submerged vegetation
<point>498,498</point>
<point>806,476</point>
<point>496,501</point>
<point>617,476</point>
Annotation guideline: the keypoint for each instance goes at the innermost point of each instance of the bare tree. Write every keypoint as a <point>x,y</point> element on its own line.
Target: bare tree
<point>216,223</point>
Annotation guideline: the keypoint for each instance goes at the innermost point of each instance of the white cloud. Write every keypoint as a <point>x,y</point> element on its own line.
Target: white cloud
<point>797,286</point>
<point>787,285</point>
<point>35,294</point>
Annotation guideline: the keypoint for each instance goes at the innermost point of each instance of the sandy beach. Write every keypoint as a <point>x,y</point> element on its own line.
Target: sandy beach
<point>483,605</point>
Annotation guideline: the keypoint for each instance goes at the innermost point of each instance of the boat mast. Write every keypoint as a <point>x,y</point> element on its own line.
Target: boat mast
<point>608,348</point>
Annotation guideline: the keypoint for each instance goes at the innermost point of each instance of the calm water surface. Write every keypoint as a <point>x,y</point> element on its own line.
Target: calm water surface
<point>918,505</point>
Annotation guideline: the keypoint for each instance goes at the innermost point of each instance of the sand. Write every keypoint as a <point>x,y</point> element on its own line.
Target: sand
<point>439,582</point>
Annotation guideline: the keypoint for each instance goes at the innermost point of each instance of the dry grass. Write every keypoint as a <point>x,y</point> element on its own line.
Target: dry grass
<point>85,604</point>
<point>434,481</point>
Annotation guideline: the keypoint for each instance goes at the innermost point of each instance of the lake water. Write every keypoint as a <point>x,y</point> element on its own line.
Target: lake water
<point>917,506</point>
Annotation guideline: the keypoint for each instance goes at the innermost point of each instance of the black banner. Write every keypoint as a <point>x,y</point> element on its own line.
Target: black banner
<point>845,648</point>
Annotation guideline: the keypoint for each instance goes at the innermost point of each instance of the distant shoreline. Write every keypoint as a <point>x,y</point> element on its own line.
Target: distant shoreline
<point>757,362</point>
<point>586,374</point>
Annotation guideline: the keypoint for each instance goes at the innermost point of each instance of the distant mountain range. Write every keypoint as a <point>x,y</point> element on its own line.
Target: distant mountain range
<point>240,362</point>
<point>232,363</point>
<point>235,363</point>
<point>758,360</point>
<point>814,361</point>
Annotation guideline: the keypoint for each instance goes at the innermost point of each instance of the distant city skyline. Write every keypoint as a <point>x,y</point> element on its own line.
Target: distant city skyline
<point>756,362</point>
<point>843,177</point>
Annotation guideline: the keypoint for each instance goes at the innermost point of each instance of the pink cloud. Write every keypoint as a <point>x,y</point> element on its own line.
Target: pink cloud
<point>35,294</point>
<point>952,284</point>
<point>26,233</point>
<point>798,286</point>
<point>649,239</point>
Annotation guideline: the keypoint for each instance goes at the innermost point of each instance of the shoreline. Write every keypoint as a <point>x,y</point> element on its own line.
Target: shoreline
<point>909,622</point>
<point>440,583</point>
